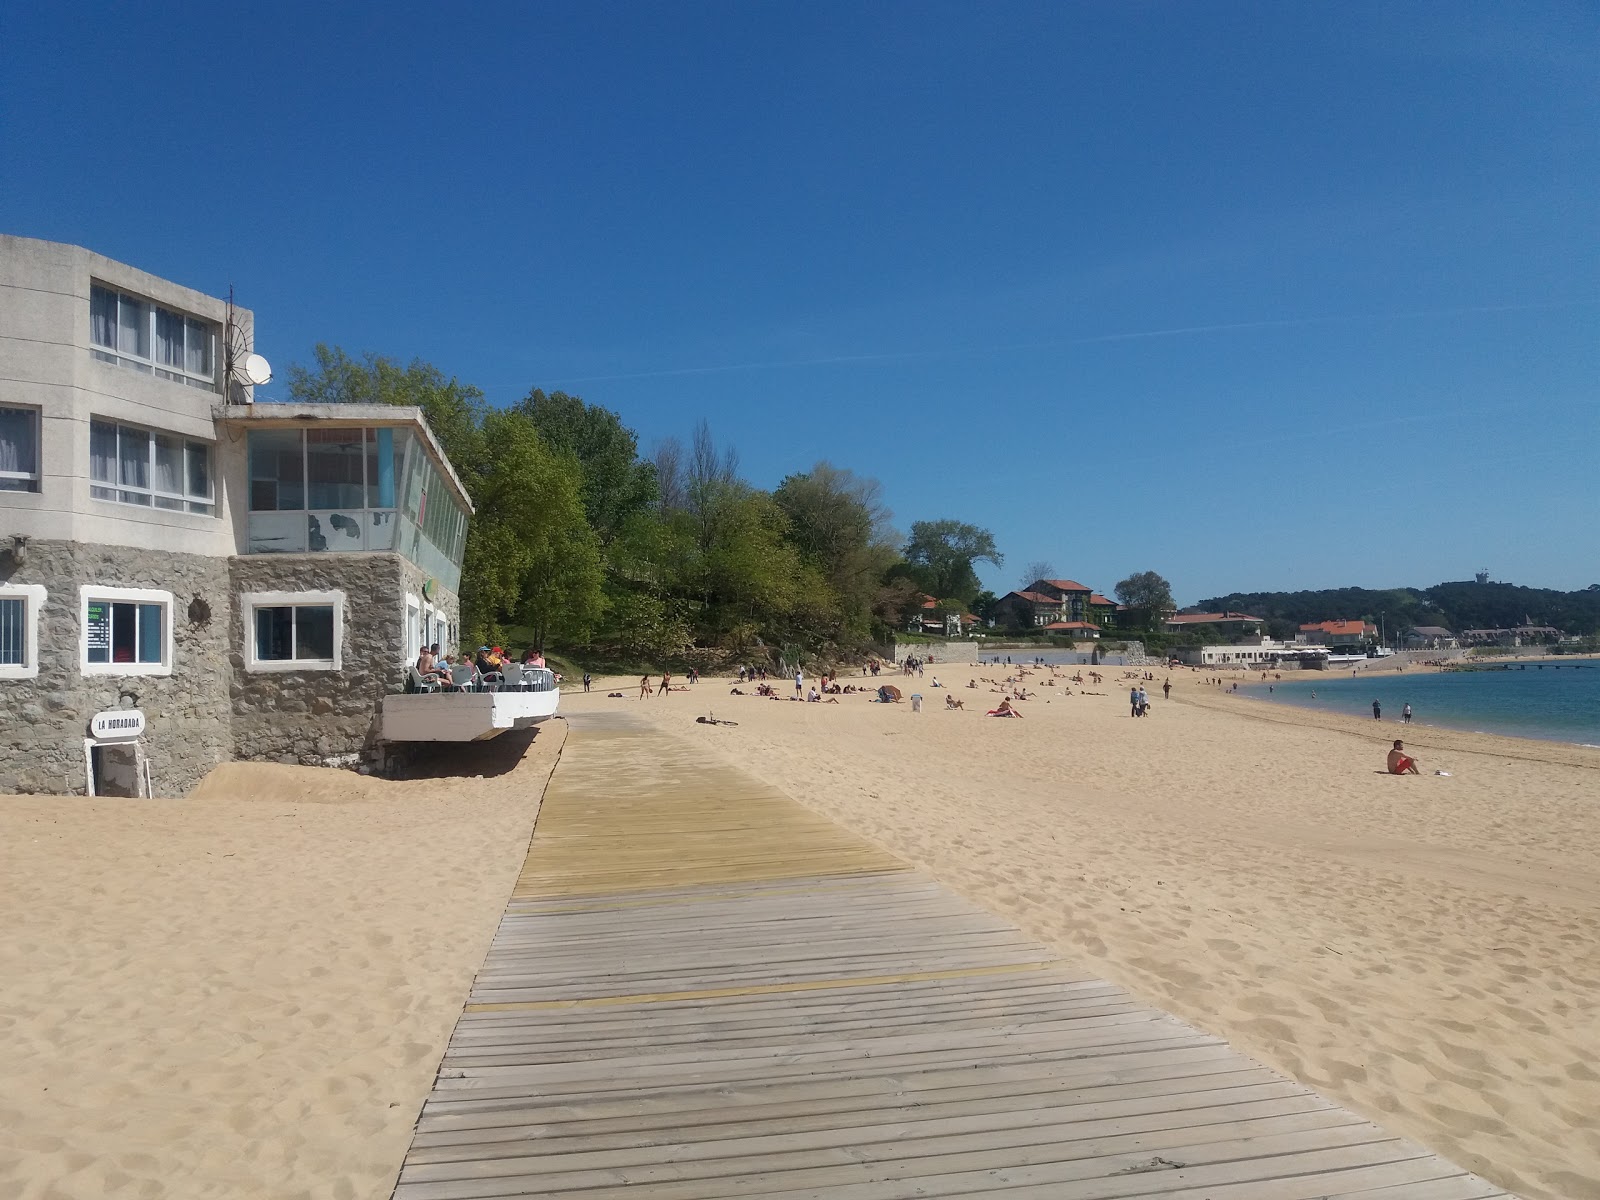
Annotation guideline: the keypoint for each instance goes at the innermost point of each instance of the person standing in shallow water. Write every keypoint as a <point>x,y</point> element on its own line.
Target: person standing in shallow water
<point>1405,715</point>
<point>1377,711</point>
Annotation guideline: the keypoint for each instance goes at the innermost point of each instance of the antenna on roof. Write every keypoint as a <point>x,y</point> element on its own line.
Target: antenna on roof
<point>242,367</point>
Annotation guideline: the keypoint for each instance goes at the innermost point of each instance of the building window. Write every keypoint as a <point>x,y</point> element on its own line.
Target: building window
<point>126,631</point>
<point>294,631</point>
<point>19,450</point>
<point>324,489</point>
<point>135,333</point>
<point>19,629</point>
<point>128,465</point>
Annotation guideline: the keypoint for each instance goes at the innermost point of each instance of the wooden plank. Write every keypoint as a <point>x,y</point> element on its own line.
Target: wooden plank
<point>700,989</point>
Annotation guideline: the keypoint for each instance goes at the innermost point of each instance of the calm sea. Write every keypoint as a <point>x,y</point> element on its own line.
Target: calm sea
<point>1556,701</point>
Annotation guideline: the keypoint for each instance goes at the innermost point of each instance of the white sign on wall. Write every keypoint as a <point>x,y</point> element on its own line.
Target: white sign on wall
<point>117,725</point>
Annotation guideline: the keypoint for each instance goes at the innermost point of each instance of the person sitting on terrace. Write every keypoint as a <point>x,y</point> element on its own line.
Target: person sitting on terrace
<point>428,664</point>
<point>1401,763</point>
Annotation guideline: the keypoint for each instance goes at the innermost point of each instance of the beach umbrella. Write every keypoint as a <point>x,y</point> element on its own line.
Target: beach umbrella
<point>888,693</point>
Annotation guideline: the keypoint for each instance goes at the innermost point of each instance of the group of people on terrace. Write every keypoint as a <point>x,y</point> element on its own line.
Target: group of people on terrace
<point>488,669</point>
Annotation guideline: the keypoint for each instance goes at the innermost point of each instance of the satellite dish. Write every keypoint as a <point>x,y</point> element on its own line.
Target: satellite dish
<point>257,369</point>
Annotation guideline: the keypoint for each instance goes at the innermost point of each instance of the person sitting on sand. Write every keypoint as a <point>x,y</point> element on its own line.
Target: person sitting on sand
<point>735,692</point>
<point>1005,710</point>
<point>1401,763</point>
<point>952,702</point>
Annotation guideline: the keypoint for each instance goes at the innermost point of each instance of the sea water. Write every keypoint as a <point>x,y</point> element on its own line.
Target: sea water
<point>1557,701</point>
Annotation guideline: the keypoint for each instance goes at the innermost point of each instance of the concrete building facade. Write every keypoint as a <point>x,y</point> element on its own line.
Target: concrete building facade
<point>240,580</point>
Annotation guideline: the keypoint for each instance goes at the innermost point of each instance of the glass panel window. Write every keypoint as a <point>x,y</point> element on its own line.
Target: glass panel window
<point>293,630</point>
<point>169,338</point>
<point>124,632</point>
<point>134,466</point>
<point>200,348</point>
<point>133,327</point>
<point>19,450</point>
<point>103,317</point>
<point>13,631</point>
<point>277,470</point>
<point>334,461</point>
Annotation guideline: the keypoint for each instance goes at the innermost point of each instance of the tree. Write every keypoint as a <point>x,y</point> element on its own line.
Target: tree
<point>616,485</point>
<point>454,410</point>
<point>839,525</point>
<point>531,557</point>
<point>983,605</point>
<point>1036,570</point>
<point>1148,594</point>
<point>943,553</point>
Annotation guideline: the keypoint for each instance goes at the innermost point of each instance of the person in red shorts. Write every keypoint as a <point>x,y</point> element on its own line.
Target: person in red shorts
<point>1401,763</point>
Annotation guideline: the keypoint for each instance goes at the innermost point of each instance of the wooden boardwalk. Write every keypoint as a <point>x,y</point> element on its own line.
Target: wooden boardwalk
<point>701,989</point>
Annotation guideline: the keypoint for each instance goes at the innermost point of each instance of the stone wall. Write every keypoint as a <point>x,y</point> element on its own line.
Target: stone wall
<point>949,652</point>
<point>45,720</point>
<point>320,718</point>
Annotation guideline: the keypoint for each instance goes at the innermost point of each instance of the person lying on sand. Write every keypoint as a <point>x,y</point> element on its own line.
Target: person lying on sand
<point>1005,710</point>
<point>1401,763</point>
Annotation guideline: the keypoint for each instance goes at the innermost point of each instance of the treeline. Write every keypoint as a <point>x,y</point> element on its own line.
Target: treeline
<point>581,543</point>
<point>1455,606</point>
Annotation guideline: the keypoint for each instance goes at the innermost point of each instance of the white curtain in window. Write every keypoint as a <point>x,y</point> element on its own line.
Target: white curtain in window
<point>133,322</point>
<point>102,452</point>
<point>103,318</point>
<point>133,452</point>
<point>19,447</point>
<point>169,465</point>
<point>169,339</point>
<point>198,358</point>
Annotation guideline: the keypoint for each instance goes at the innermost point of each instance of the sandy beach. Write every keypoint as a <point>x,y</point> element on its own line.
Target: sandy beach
<point>1424,949</point>
<point>245,993</point>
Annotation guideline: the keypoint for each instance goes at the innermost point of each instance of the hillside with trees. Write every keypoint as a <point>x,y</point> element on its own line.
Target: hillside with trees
<point>1455,606</point>
<point>582,544</point>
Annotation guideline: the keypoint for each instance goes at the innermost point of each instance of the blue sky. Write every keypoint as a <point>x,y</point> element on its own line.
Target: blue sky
<point>1318,285</point>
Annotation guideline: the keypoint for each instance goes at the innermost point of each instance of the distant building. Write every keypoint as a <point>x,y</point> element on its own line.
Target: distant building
<point>1080,630</point>
<point>1338,633</point>
<point>932,618</point>
<point>1518,635</point>
<point>1047,602</point>
<point>1429,637</point>
<point>1261,654</point>
<point>1240,625</point>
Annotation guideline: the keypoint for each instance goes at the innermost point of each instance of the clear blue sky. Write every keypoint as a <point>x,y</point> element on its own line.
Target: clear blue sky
<point>1320,283</point>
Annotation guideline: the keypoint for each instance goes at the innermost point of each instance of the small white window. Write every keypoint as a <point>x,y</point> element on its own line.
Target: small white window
<point>19,450</point>
<point>294,631</point>
<point>413,627</point>
<point>125,631</point>
<point>19,629</point>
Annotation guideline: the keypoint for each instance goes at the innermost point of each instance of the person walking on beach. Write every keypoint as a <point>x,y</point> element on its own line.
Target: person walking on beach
<point>1405,715</point>
<point>1377,711</point>
<point>1133,702</point>
<point>1144,702</point>
<point>1166,690</point>
<point>587,680</point>
<point>644,687</point>
<point>666,683</point>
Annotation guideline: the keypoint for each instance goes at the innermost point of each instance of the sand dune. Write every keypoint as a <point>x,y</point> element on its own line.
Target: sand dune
<point>1426,950</point>
<point>245,993</point>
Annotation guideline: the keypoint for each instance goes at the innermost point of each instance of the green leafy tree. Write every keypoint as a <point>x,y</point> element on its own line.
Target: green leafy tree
<point>1149,595</point>
<point>616,484</point>
<point>838,524</point>
<point>943,552</point>
<point>531,557</point>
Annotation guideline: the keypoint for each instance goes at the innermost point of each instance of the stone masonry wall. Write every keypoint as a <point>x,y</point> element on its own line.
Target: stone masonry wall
<point>320,718</point>
<point>43,721</point>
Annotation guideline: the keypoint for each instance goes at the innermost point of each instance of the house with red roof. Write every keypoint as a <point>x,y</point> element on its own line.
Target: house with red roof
<point>1056,605</point>
<point>1337,633</point>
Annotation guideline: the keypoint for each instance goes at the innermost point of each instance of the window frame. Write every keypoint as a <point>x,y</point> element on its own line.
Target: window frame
<point>250,601</point>
<point>34,478</point>
<point>185,444</point>
<point>33,596</point>
<point>149,363</point>
<point>91,593</point>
